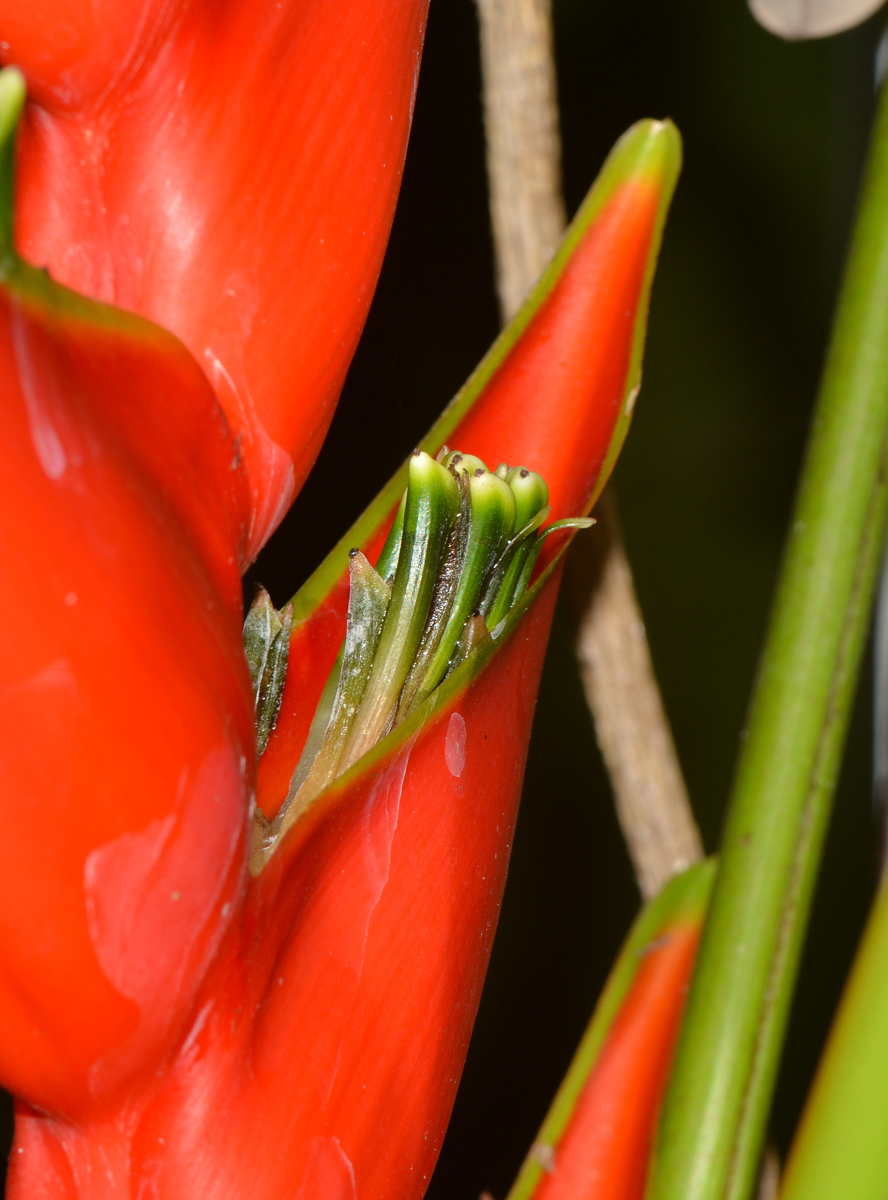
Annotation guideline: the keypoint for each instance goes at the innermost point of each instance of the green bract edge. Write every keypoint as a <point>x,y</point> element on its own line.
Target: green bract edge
<point>12,101</point>
<point>682,901</point>
<point>649,148</point>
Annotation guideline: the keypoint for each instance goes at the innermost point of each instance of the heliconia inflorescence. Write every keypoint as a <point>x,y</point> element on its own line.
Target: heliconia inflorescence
<point>174,1024</point>
<point>459,555</point>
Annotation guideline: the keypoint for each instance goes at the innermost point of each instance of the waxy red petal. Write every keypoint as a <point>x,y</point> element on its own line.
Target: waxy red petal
<point>230,172</point>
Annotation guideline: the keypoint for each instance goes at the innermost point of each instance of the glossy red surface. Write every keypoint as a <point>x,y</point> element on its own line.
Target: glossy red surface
<point>229,171</point>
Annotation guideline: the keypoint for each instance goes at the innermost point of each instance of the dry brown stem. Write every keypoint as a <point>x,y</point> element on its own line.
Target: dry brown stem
<point>633,731</point>
<point>527,214</point>
<point>523,142</point>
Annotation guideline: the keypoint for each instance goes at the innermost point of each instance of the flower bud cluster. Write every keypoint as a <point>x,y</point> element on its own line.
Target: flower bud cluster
<point>459,556</point>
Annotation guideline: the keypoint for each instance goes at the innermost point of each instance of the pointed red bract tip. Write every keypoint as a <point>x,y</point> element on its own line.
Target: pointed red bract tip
<point>555,401</point>
<point>231,173</point>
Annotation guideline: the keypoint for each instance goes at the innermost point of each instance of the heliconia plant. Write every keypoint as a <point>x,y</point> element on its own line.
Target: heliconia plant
<point>251,871</point>
<point>201,1001</point>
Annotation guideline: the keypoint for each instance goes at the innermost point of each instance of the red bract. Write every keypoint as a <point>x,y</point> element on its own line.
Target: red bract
<point>230,172</point>
<point>300,1033</point>
<point>596,1142</point>
<point>126,764</point>
<point>596,1139</point>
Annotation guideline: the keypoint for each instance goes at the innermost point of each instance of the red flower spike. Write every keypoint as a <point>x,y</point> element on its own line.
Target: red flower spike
<point>595,1143</point>
<point>320,1053</point>
<point>229,172</point>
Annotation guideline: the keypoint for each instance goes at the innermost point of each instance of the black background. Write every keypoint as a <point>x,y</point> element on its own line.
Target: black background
<point>774,135</point>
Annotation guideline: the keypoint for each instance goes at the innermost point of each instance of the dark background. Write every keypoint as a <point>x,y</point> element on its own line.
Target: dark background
<point>774,136</point>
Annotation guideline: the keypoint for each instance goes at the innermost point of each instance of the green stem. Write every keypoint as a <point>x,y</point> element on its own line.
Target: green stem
<point>717,1103</point>
<point>841,1148</point>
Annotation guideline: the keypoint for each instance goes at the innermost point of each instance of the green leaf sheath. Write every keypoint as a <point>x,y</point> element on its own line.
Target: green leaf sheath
<point>272,689</point>
<point>387,563</point>
<point>267,648</point>
<point>260,629</point>
<point>718,1099</point>
<point>368,602</point>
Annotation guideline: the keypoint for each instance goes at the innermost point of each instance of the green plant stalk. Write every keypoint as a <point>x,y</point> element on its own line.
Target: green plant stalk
<point>717,1102</point>
<point>841,1148</point>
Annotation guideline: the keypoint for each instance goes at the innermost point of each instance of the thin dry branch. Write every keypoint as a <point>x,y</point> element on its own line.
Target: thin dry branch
<point>523,143</point>
<point>632,728</point>
<point>527,214</point>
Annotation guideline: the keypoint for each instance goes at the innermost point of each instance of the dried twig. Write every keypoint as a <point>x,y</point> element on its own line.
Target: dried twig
<point>527,213</point>
<point>769,1179</point>
<point>523,143</point>
<point>632,728</point>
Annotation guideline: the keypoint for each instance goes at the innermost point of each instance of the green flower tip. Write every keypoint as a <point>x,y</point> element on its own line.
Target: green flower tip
<point>648,150</point>
<point>12,100</point>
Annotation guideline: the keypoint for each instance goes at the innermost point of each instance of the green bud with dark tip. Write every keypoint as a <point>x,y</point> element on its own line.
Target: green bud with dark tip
<point>492,519</point>
<point>458,461</point>
<point>460,554</point>
<point>431,508</point>
<point>531,494</point>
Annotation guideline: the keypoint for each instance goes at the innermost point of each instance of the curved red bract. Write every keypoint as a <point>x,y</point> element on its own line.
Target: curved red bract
<point>603,1153</point>
<point>552,405</point>
<point>330,1034</point>
<point>125,764</point>
<point>229,171</point>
